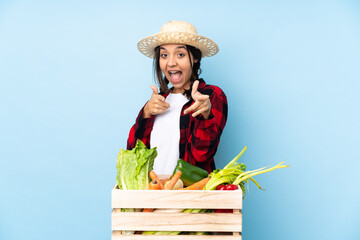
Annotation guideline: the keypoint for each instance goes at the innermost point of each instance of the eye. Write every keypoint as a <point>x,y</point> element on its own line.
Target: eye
<point>181,54</point>
<point>163,55</point>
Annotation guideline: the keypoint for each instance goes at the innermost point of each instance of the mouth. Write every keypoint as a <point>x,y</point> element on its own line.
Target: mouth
<point>175,76</point>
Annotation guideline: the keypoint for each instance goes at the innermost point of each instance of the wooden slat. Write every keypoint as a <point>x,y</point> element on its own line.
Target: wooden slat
<point>176,199</point>
<point>116,236</point>
<point>237,211</point>
<point>166,221</point>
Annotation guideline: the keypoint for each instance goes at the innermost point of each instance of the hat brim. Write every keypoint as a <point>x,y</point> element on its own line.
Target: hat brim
<point>207,47</point>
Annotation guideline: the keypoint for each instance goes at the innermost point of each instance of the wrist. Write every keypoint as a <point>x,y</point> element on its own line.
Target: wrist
<point>146,112</point>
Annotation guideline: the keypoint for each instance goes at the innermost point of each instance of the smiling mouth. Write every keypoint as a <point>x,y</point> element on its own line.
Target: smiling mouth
<point>175,76</point>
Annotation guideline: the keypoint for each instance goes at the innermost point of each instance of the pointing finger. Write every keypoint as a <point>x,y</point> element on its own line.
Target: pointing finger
<point>162,102</point>
<point>192,108</point>
<point>201,97</point>
<point>200,111</point>
<point>194,89</point>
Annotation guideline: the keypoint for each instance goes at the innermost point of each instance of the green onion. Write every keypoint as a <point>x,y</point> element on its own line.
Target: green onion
<point>234,173</point>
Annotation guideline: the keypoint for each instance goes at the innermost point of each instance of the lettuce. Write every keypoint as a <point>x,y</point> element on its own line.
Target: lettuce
<point>133,167</point>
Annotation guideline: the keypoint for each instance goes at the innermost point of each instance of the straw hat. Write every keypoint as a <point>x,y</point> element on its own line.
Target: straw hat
<point>177,32</point>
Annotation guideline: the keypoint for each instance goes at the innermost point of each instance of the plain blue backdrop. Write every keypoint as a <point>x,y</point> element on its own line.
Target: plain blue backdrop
<point>72,82</point>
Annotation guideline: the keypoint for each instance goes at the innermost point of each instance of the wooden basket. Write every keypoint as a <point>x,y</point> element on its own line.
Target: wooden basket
<point>222,226</point>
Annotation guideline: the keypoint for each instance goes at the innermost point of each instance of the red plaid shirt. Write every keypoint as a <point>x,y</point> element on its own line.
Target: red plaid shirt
<point>199,137</point>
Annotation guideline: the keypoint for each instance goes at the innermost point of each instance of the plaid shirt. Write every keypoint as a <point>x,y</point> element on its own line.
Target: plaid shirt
<point>199,137</point>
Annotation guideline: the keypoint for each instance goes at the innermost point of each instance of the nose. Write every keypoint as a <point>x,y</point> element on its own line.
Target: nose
<point>172,61</point>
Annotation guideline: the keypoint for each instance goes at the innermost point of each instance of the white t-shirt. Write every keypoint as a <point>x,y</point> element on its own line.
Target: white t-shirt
<point>166,134</point>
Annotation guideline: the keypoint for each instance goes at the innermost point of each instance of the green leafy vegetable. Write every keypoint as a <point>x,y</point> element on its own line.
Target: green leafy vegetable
<point>235,173</point>
<point>133,167</point>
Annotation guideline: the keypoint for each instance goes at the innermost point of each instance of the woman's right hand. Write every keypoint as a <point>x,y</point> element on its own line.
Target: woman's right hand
<point>156,105</point>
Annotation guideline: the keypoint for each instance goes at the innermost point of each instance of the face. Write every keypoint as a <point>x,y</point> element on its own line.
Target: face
<point>175,64</point>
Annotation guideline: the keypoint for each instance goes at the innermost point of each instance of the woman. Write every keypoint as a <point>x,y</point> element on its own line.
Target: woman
<point>186,120</point>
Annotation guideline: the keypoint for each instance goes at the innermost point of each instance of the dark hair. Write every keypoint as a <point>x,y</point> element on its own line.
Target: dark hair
<point>196,70</point>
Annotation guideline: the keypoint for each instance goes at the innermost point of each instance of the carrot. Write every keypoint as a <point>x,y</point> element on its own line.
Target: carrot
<point>148,210</point>
<point>154,185</point>
<point>153,177</point>
<point>198,185</point>
<point>171,183</point>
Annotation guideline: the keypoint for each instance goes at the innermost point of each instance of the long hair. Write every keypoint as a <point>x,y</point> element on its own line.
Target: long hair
<point>161,79</point>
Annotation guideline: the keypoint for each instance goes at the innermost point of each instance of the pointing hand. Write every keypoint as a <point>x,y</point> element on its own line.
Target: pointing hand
<point>156,105</point>
<point>202,104</point>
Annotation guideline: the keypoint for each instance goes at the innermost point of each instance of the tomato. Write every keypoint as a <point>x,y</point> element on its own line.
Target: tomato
<point>228,187</point>
<point>232,187</point>
<point>221,187</point>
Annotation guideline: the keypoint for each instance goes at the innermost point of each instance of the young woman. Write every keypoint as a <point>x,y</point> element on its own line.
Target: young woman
<point>186,120</point>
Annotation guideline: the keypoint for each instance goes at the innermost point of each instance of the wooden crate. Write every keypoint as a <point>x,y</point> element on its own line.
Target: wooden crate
<point>226,226</point>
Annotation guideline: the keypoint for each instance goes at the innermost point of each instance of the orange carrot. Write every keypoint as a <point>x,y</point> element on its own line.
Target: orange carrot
<point>148,210</point>
<point>198,185</point>
<point>153,177</point>
<point>154,185</point>
<point>171,183</point>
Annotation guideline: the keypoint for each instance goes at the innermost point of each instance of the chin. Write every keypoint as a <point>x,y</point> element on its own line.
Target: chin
<point>177,85</point>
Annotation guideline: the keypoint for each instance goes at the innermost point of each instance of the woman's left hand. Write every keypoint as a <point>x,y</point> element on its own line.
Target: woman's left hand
<point>202,103</point>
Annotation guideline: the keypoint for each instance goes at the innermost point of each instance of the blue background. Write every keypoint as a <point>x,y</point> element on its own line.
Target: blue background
<point>73,81</point>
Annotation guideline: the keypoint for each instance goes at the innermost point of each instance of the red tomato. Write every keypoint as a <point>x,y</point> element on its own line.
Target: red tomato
<point>232,187</point>
<point>221,187</point>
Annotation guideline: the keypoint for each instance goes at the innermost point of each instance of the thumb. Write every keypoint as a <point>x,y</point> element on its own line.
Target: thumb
<point>155,89</point>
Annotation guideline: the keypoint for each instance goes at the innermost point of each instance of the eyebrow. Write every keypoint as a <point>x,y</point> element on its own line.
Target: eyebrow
<point>176,47</point>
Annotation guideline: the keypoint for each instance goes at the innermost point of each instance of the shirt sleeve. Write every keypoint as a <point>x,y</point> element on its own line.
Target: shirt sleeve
<point>140,130</point>
<point>206,132</point>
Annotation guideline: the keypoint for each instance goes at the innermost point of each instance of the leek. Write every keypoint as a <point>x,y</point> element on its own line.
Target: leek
<point>235,173</point>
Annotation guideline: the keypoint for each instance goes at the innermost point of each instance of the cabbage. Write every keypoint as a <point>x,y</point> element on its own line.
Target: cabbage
<point>133,167</point>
